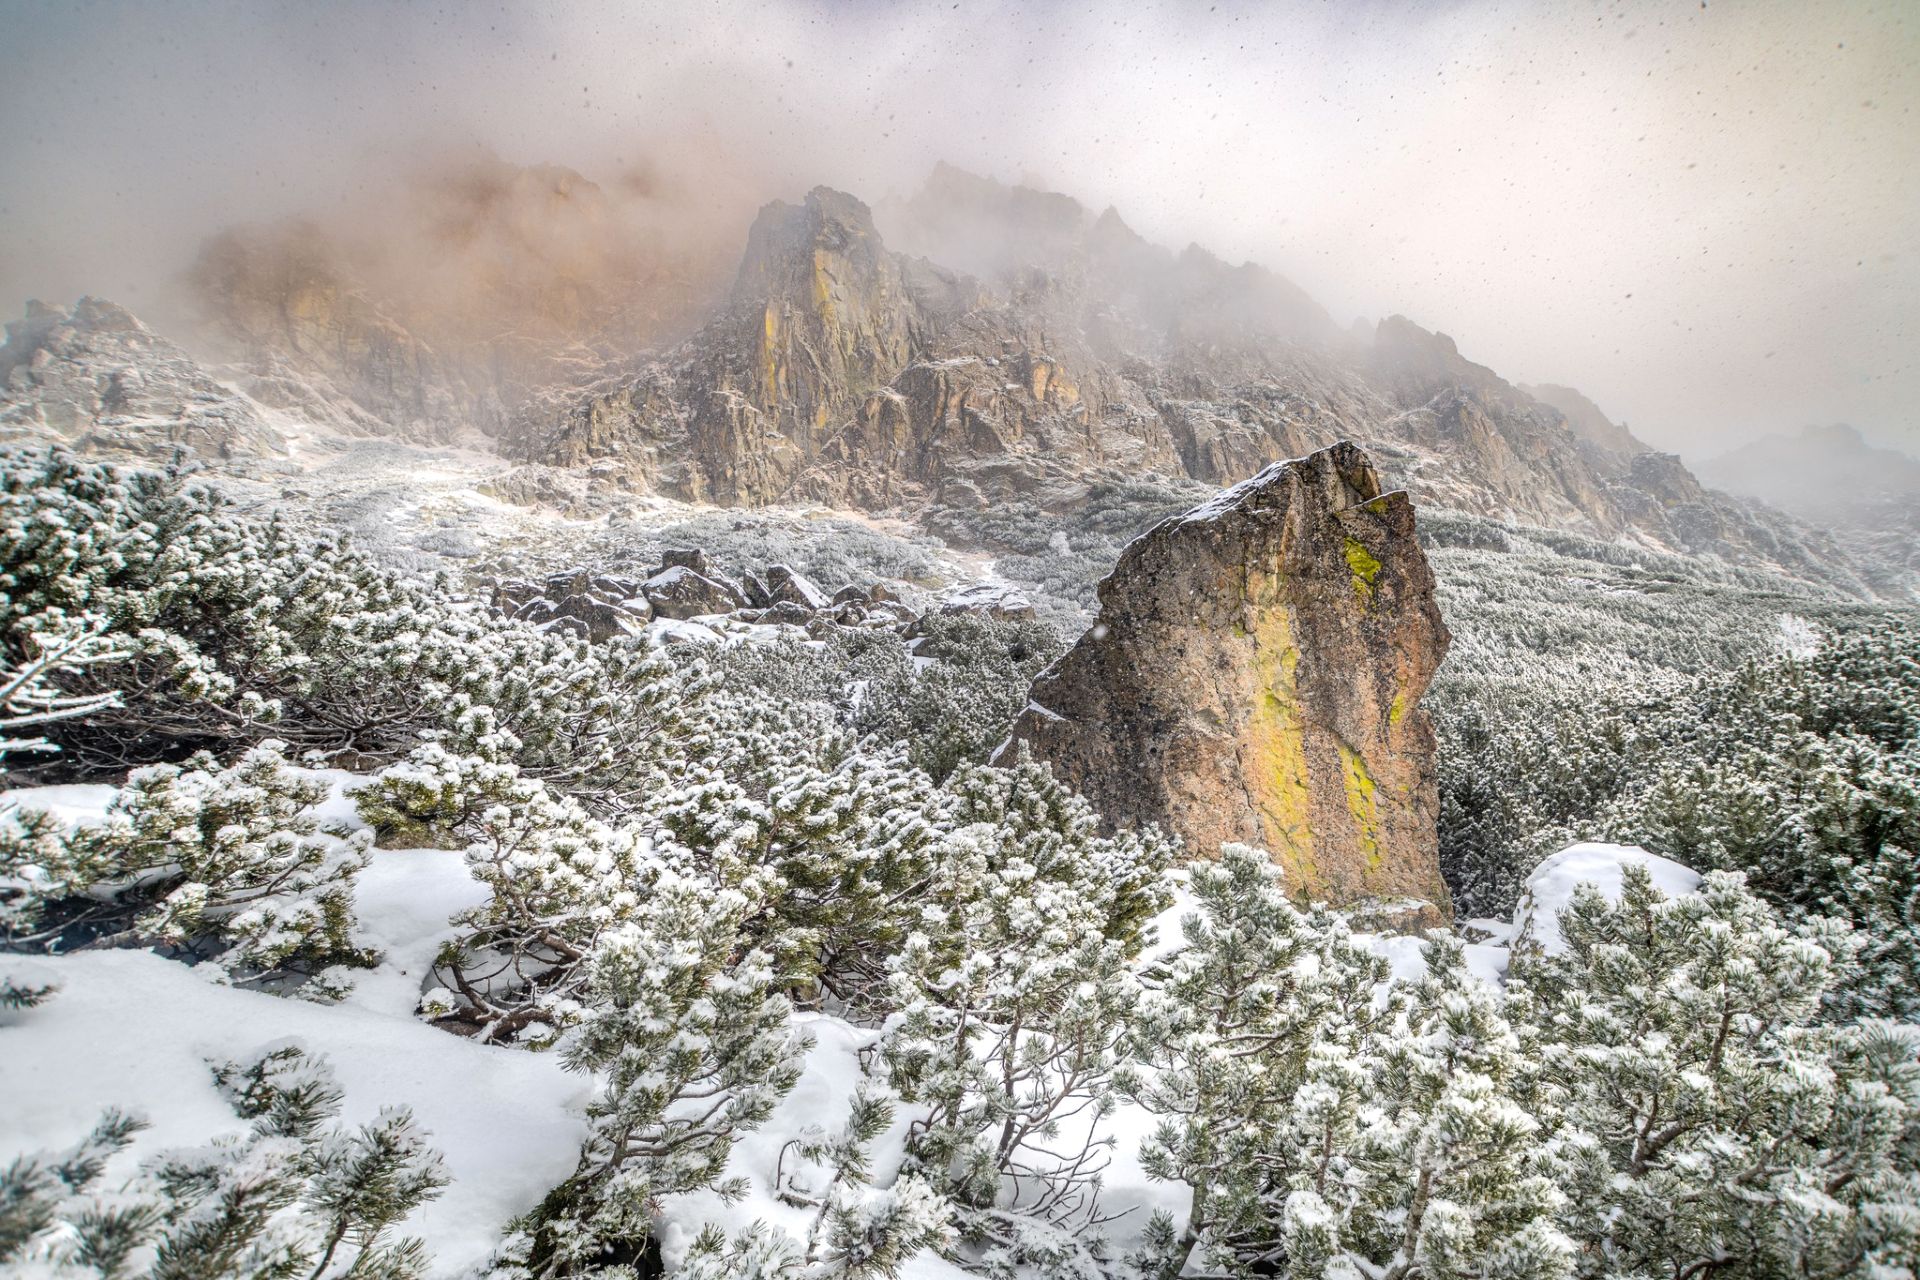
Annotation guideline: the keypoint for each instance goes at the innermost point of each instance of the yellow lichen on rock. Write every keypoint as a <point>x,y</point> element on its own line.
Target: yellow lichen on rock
<point>1361,804</point>
<point>1364,566</point>
<point>1276,768</point>
<point>1255,676</point>
<point>822,287</point>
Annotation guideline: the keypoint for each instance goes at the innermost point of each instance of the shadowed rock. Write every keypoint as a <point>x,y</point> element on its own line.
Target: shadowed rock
<point>1255,675</point>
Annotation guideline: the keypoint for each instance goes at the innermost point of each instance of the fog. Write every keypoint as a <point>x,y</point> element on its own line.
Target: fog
<point>1705,216</point>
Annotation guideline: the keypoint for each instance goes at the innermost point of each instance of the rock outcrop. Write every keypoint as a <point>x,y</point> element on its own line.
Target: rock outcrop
<point>688,587</point>
<point>95,377</point>
<point>306,338</point>
<point>462,286</point>
<point>1609,445</point>
<point>680,591</point>
<point>593,606</point>
<point>1255,675</point>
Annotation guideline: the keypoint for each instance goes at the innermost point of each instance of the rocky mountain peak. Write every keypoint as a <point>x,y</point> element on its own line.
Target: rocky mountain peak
<point>1609,444</point>
<point>790,245</point>
<point>822,309</point>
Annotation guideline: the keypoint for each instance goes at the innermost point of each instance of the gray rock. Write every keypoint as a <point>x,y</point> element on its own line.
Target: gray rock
<point>684,558</point>
<point>680,592</point>
<point>96,378</point>
<point>785,585</point>
<point>785,612</point>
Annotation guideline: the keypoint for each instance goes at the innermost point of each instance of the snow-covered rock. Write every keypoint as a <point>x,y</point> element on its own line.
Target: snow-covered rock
<point>785,584</point>
<point>681,592</point>
<point>96,377</point>
<point>1550,887</point>
<point>994,599</point>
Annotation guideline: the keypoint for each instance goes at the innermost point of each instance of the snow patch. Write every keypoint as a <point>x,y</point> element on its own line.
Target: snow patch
<point>1550,887</point>
<point>130,1029</point>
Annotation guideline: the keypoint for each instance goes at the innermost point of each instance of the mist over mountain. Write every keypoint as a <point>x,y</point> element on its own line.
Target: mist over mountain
<point>1620,200</point>
<point>1831,476</point>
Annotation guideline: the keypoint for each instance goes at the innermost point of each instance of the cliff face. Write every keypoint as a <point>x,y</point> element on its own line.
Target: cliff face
<point>1255,675</point>
<point>97,378</point>
<point>1608,444</point>
<point>306,338</point>
<point>1023,350</point>
<point>1066,350</point>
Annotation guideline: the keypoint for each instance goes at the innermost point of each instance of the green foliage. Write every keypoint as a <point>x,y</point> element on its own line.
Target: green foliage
<point>949,696</point>
<point>694,1045</point>
<point>856,1230</point>
<point>559,878</point>
<point>1012,1000</point>
<point>1710,1122</point>
<point>958,705</point>
<point>1802,772</point>
<point>1413,1156</point>
<point>227,864</point>
<point>1221,1045</point>
<point>224,630</point>
<point>1661,1096</point>
<point>296,1196</point>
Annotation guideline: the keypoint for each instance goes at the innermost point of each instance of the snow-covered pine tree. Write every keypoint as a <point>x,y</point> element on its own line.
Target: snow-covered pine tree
<point>829,843</point>
<point>30,692</point>
<point>870,1237</point>
<point>694,1045</point>
<point>211,862</point>
<point>560,880</point>
<point>856,1230</point>
<point>1057,831</point>
<point>1710,1122</point>
<point>38,1191</point>
<point>436,796</point>
<point>1012,1004</point>
<point>1221,1045</point>
<point>1411,1157</point>
<point>1013,994</point>
<point>295,1196</point>
<point>231,629</point>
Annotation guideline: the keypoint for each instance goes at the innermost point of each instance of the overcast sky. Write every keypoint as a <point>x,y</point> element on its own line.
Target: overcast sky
<point>1707,216</point>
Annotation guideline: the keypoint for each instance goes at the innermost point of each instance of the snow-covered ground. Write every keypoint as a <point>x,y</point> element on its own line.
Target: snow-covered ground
<point>136,1031</point>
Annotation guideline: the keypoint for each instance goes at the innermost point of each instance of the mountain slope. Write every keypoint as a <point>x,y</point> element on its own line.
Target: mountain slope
<point>1072,352</point>
<point>1025,354</point>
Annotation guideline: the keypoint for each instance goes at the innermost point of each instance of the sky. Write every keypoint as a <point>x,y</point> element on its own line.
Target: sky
<point>1705,216</point>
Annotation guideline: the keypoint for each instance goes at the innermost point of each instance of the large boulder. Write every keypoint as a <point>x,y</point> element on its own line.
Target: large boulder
<point>680,592</point>
<point>784,585</point>
<point>1255,675</point>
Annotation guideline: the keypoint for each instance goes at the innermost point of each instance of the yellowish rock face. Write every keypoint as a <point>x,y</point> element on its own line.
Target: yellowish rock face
<point>1255,676</point>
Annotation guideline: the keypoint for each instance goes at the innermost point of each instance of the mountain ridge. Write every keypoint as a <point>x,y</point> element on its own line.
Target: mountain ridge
<point>1064,351</point>
<point>893,380</point>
